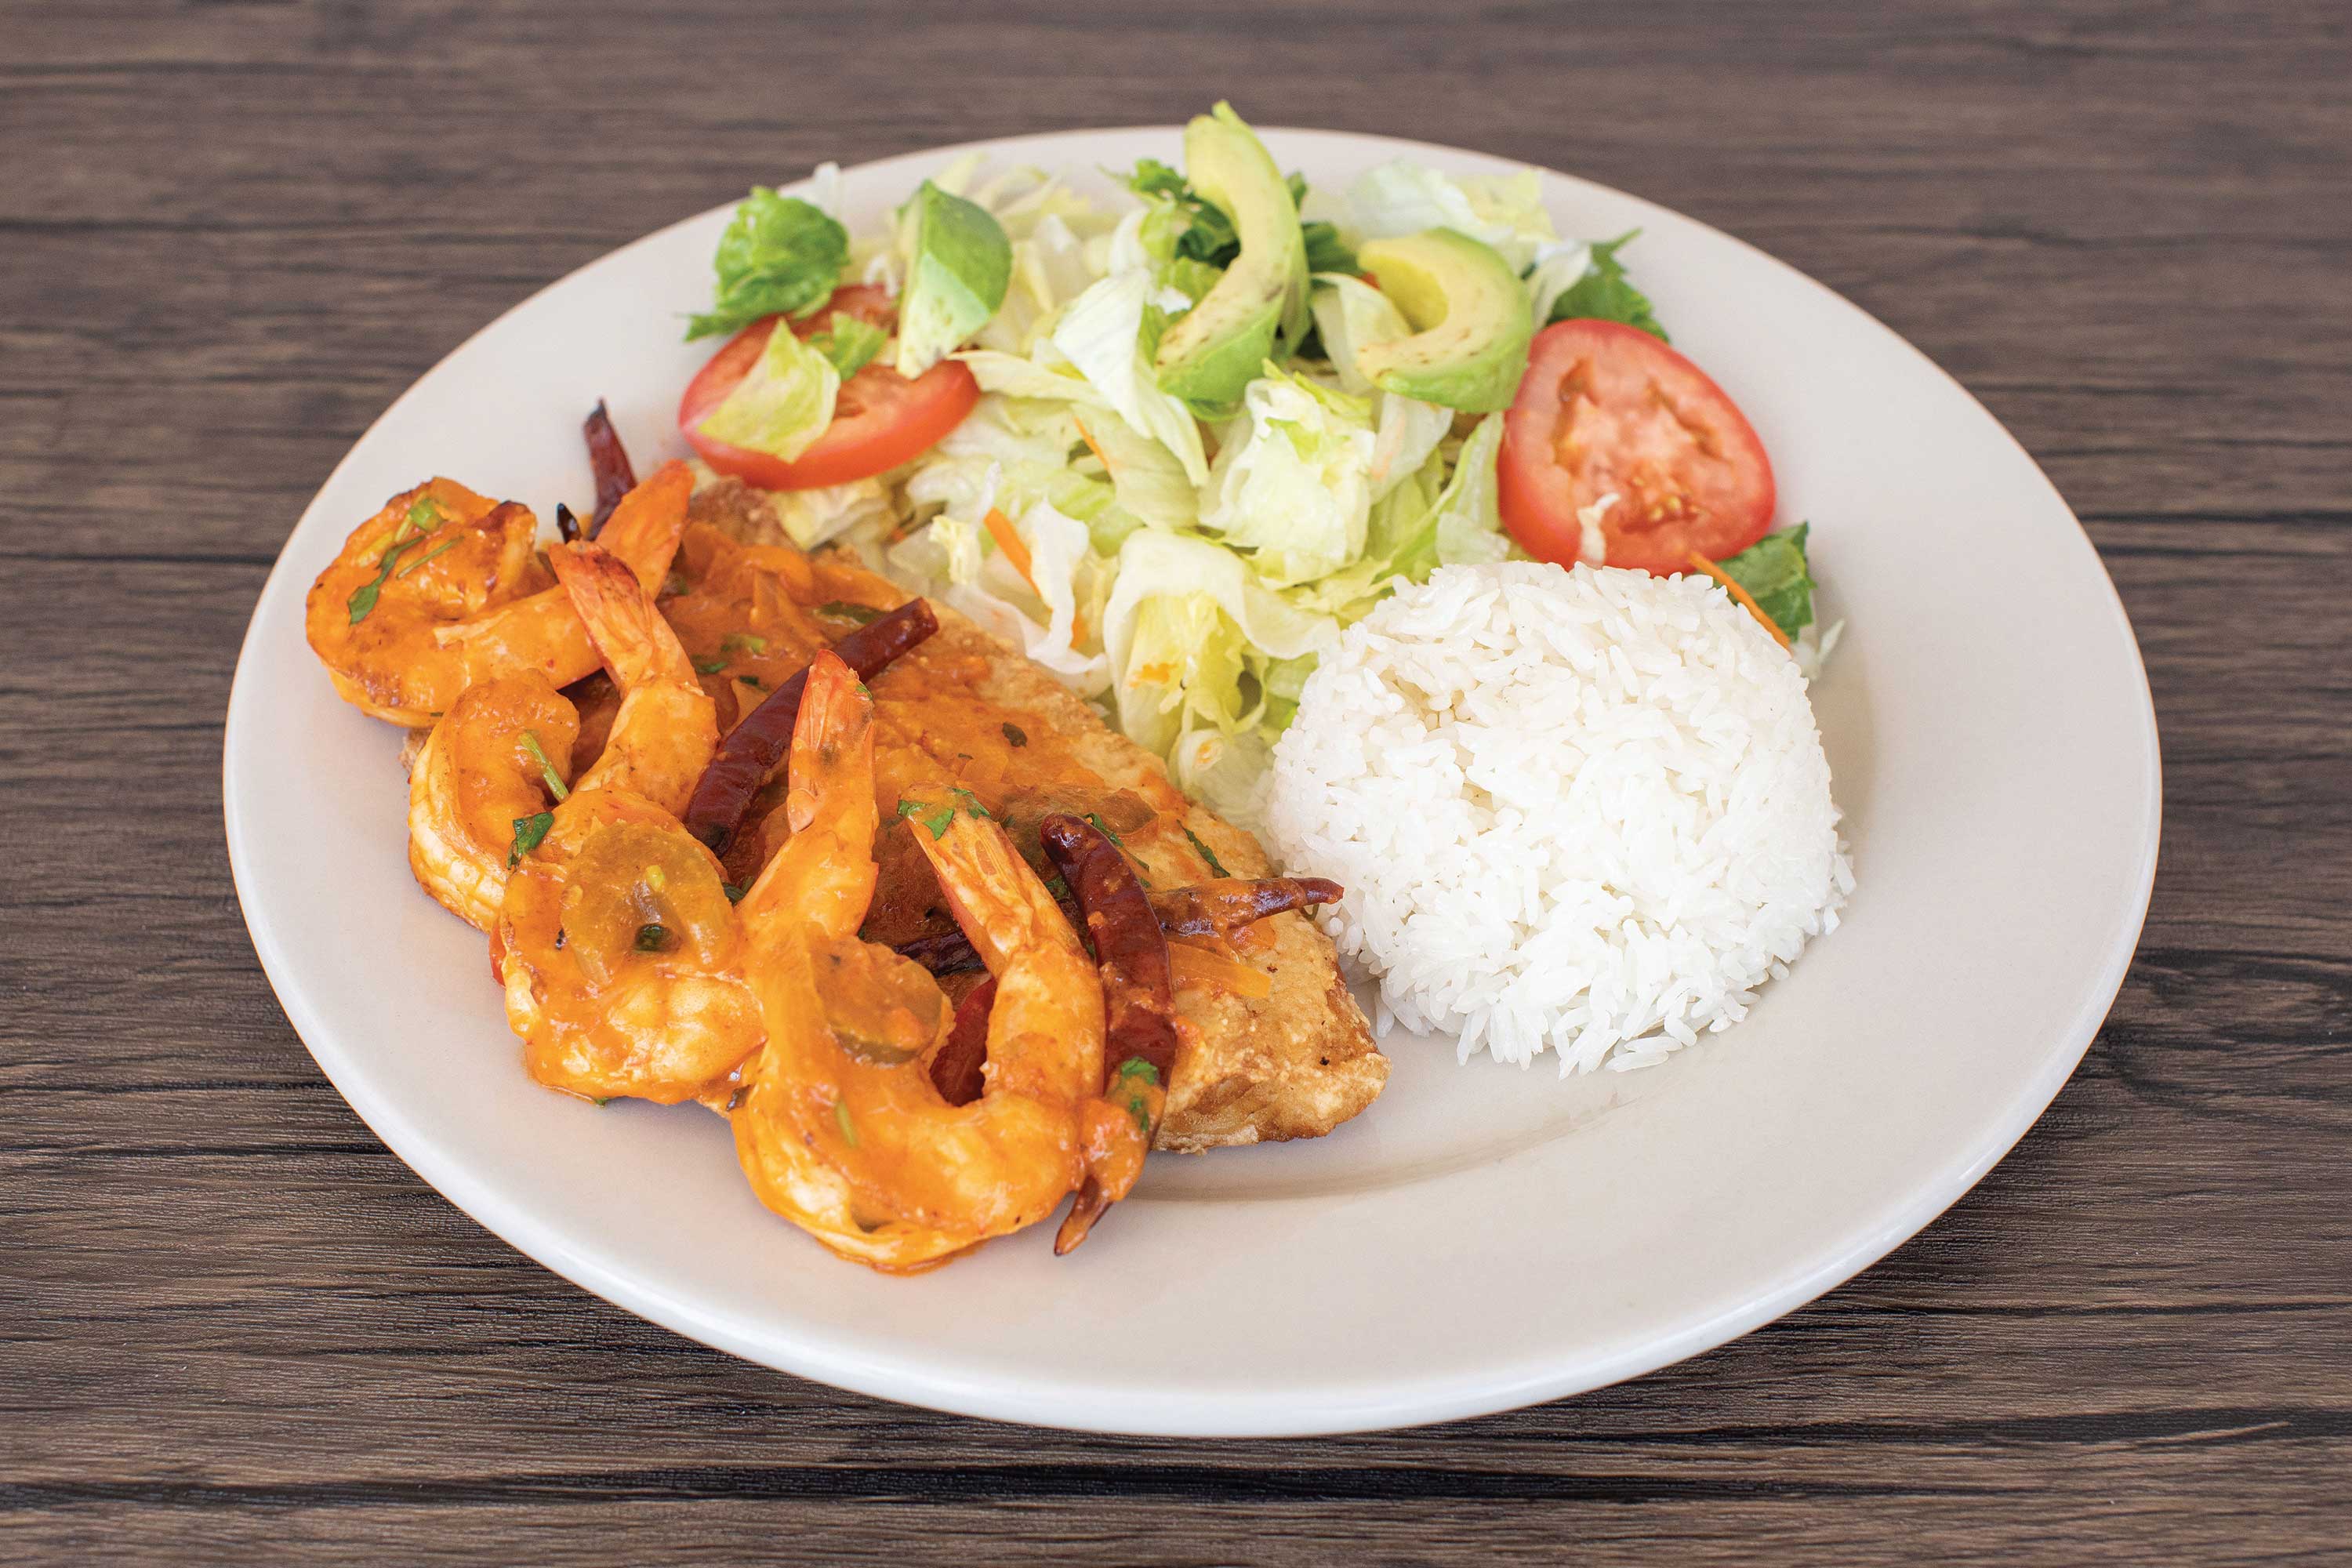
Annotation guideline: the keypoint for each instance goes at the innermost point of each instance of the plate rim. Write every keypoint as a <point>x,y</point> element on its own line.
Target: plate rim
<point>1378,1402</point>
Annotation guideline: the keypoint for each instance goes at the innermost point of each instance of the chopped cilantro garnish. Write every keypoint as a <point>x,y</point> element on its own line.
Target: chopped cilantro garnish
<point>971,801</point>
<point>364,597</point>
<point>546,769</point>
<point>734,891</point>
<point>938,818</point>
<point>1206,853</point>
<point>743,642</point>
<point>1058,888</point>
<point>1104,829</point>
<point>424,512</point>
<point>708,666</point>
<point>528,832</point>
<point>843,609</point>
<point>849,343</point>
<point>1134,1078</point>
<point>653,937</point>
<point>437,550</point>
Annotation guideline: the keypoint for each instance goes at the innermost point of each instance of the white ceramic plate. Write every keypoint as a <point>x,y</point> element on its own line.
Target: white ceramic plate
<point>1484,1237</point>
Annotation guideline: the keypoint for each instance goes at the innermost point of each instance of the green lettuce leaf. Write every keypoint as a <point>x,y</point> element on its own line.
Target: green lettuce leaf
<point>1189,631</point>
<point>1351,315</point>
<point>783,405</point>
<point>1292,482</point>
<point>1468,526</point>
<point>1149,479</point>
<point>1206,236</point>
<point>1008,453</point>
<point>1108,334</point>
<point>850,343</point>
<point>1050,268</point>
<point>1558,269</point>
<point>779,254</point>
<point>1603,294</point>
<point>1775,574</point>
<point>1402,197</point>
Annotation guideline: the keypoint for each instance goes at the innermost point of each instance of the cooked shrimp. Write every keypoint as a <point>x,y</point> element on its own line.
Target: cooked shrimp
<point>444,588</point>
<point>667,728</point>
<point>619,940</point>
<point>841,1130</point>
<point>504,749</point>
<point>621,955</point>
<point>488,770</point>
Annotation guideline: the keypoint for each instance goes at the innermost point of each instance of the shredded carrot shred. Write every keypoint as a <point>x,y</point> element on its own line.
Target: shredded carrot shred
<point>1088,437</point>
<point>1740,594</point>
<point>999,529</point>
<point>1190,965</point>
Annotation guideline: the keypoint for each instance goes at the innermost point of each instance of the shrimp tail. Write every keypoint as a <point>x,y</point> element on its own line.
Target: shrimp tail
<point>1000,904</point>
<point>648,522</point>
<point>826,870</point>
<point>834,713</point>
<point>636,644</point>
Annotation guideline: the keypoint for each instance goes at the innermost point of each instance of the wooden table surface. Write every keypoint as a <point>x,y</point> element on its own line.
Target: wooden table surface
<point>232,1326</point>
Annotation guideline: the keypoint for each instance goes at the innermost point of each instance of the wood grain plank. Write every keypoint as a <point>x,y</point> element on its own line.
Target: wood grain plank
<point>233,1327</point>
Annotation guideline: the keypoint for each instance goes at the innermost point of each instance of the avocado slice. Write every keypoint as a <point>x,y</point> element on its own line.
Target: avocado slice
<point>955,281</point>
<point>1469,316</point>
<point>1214,350</point>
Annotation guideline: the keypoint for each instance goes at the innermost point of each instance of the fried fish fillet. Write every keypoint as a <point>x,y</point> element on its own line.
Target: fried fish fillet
<point>966,711</point>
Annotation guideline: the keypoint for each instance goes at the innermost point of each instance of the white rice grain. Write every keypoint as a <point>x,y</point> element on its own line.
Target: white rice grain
<point>1581,811</point>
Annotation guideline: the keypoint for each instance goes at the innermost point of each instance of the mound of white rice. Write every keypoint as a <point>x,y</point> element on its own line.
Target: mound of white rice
<point>1585,811</point>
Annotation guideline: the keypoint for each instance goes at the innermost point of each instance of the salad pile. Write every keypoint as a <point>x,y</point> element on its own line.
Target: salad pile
<point>1171,446</point>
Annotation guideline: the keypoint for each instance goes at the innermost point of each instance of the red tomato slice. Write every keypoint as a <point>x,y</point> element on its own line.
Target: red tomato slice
<point>881,420</point>
<point>1607,408</point>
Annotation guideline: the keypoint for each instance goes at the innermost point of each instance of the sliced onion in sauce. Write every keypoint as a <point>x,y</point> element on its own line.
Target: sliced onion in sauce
<point>629,876</point>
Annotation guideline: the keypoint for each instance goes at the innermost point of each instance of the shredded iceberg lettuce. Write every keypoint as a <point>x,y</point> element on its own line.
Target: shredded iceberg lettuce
<point>1292,483</point>
<point>1186,622</point>
<point>1505,210</point>
<point>1002,600</point>
<point>1102,333</point>
<point>1187,576</point>
<point>1351,315</point>
<point>783,405</point>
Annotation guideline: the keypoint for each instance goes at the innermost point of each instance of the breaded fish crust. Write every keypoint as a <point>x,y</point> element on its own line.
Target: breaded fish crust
<point>968,712</point>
